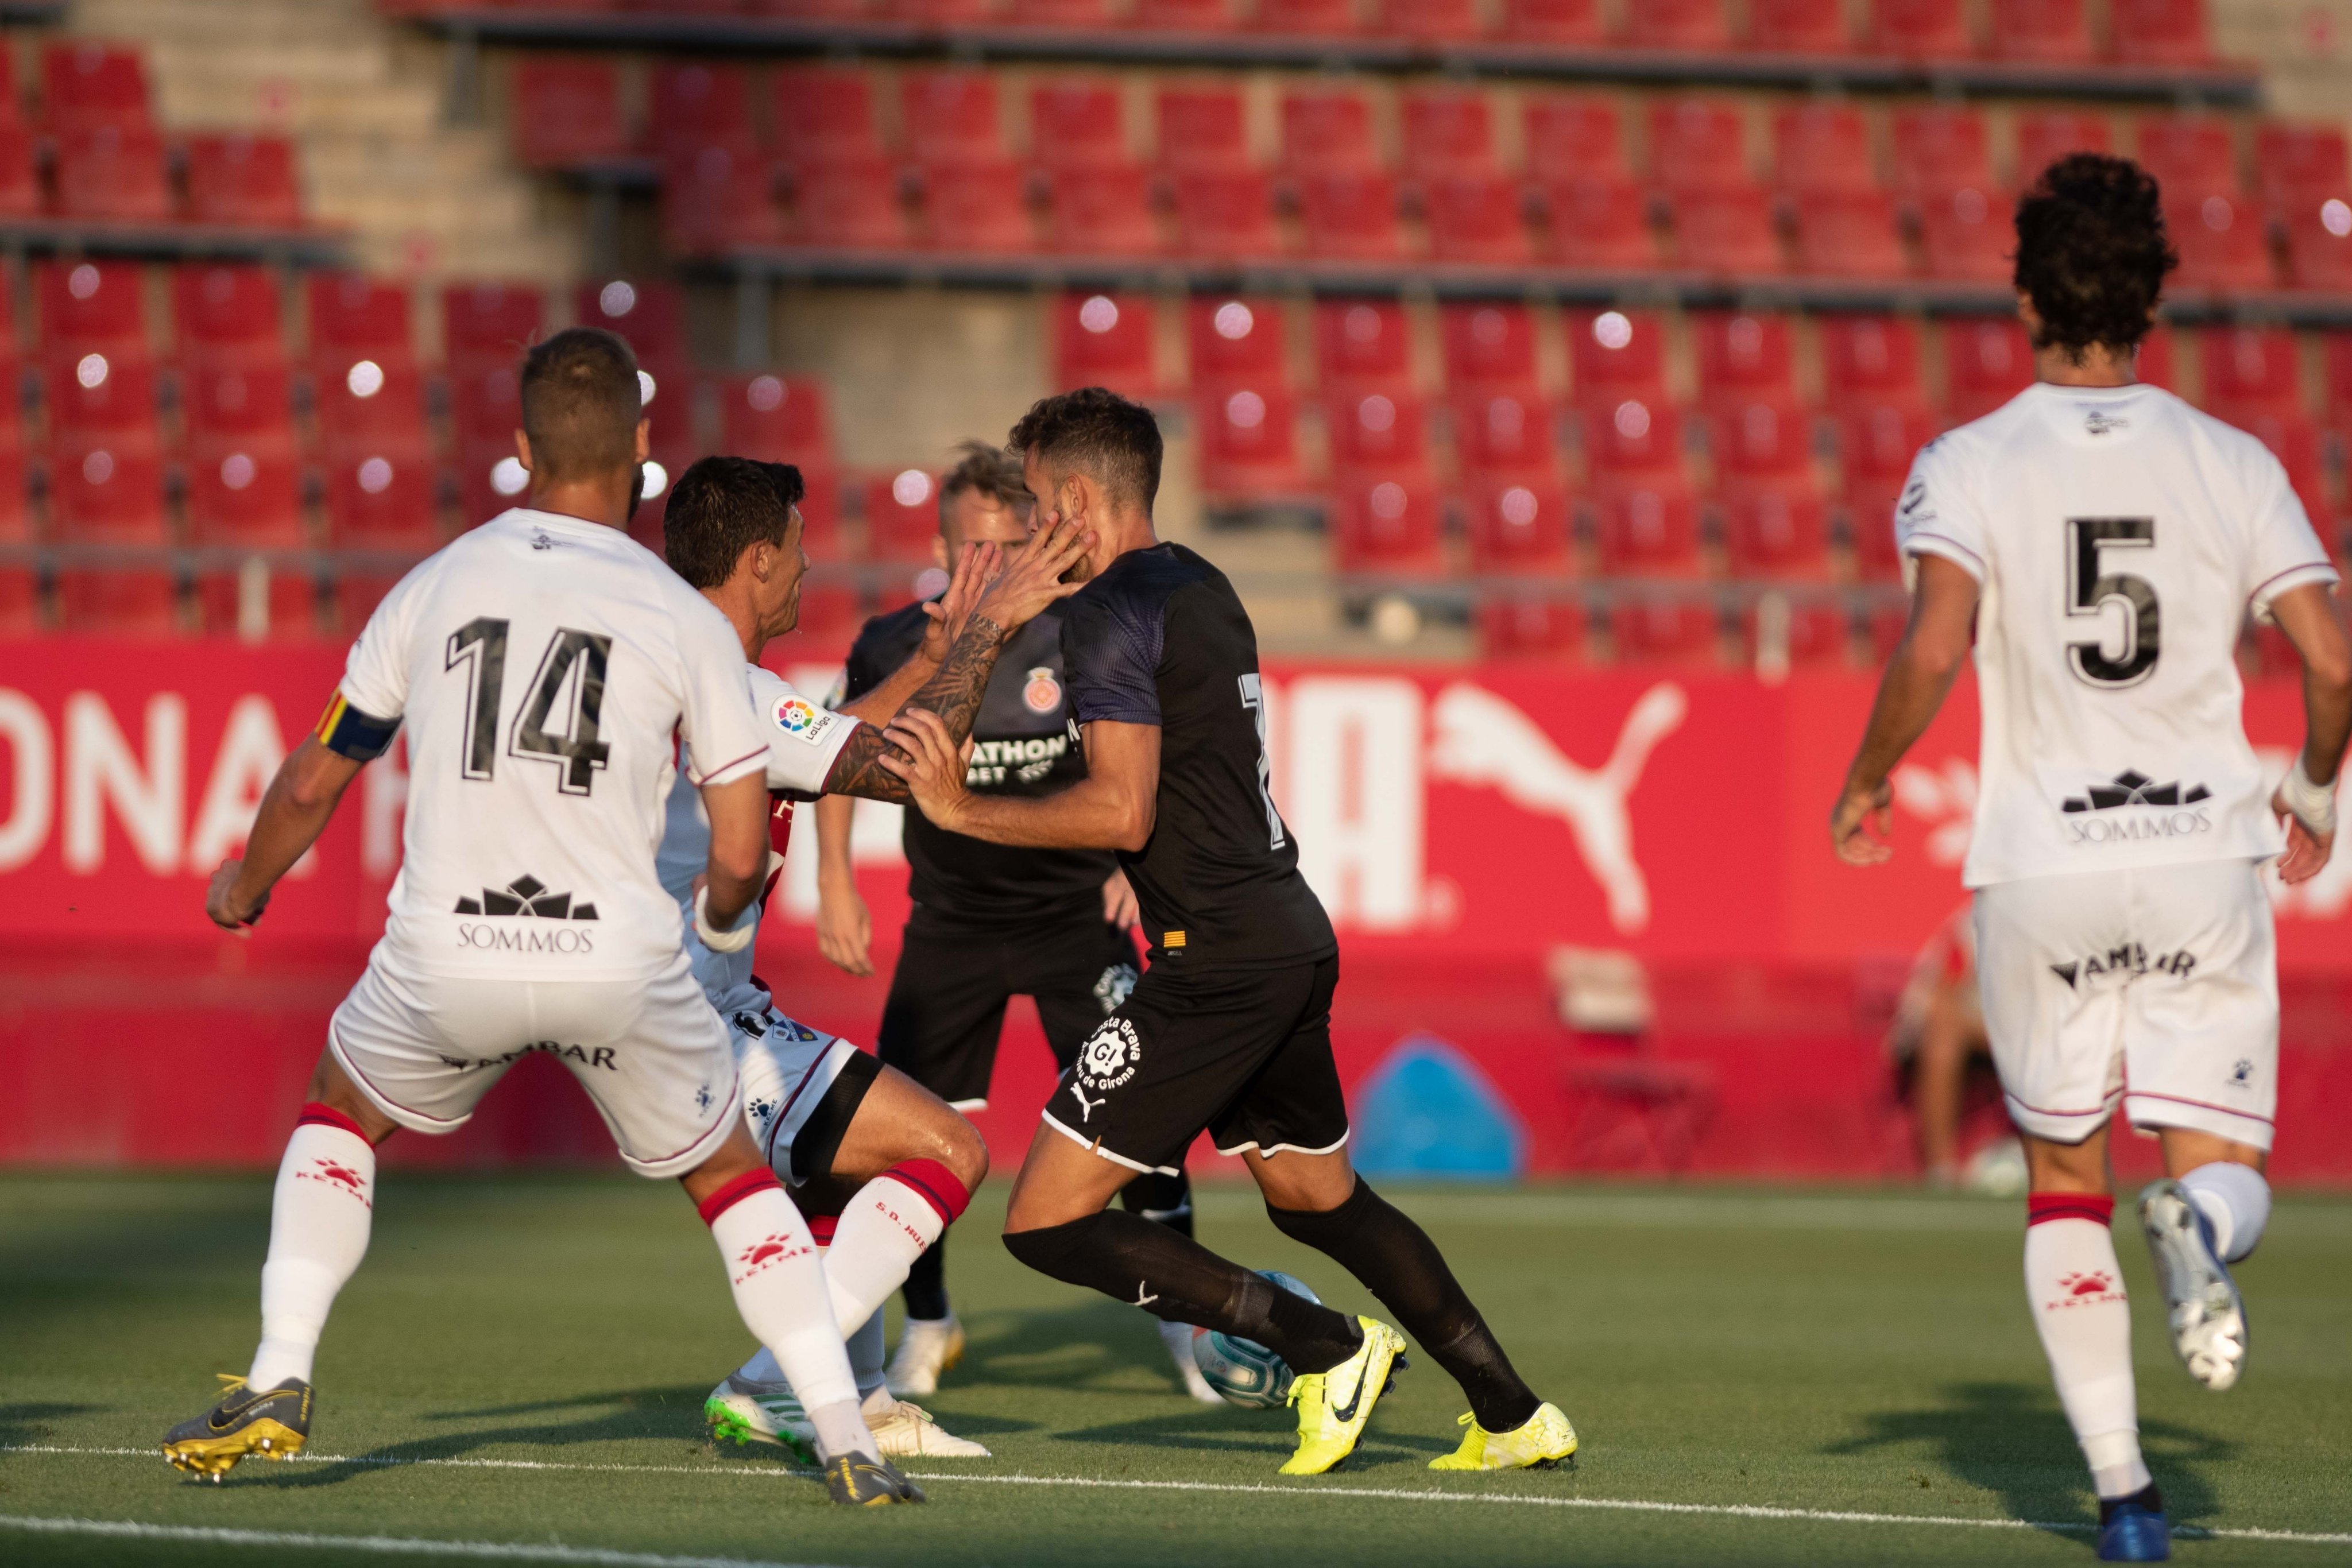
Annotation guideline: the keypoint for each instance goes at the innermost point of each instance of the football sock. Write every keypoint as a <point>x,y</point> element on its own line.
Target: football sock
<point>1395,1258</point>
<point>319,1223</point>
<point>1177,1280</point>
<point>780,1290</point>
<point>1162,1199</point>
<point>866,1354</point>
<point>926,1290</point>
<point>2235,1201</point>
<point>892,1221</point>
<point>2076,1295</point>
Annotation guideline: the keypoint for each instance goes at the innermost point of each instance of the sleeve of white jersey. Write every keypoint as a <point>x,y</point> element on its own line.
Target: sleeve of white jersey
<point>1936,514</point>
<point>724,739</point>
<point>803,737</point>
<point>2284,552</point>
<point>375,674</point>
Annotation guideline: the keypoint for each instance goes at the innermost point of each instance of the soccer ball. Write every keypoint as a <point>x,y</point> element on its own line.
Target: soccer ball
<point>1243,1371</point>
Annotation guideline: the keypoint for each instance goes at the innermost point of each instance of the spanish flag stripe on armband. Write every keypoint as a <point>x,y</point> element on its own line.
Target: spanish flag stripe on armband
<point>347,732</point>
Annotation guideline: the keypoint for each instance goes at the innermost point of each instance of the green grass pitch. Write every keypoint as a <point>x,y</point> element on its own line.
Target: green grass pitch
<point>520,1367</point>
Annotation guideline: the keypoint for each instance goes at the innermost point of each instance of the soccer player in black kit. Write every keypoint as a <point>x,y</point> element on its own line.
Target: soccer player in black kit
<point>990,921</point>
<point>1230,1030</point>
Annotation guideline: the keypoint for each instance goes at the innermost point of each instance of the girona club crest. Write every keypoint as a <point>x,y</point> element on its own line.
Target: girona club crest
<point>1042,692</point>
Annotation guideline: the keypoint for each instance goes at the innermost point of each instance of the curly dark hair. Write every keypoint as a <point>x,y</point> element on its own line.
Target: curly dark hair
<point>1103,436</point>
<point>2092,252</point>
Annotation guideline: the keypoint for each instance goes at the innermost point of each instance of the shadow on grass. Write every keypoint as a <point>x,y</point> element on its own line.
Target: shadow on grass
<point>1079,1347</point>
<point>30,1423</point>
<point>2010,1438</point>
<point>1268,1433</point>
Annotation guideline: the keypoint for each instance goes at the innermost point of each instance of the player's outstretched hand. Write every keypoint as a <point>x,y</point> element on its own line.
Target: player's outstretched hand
<point>1118,902</point>
<point>930,762</point>
<point>1852,823</point>
<point>974,566</point>
<point>223,907</point>
<point>844,927</point>
<point>2307,852</point>
<point>1033,579</point>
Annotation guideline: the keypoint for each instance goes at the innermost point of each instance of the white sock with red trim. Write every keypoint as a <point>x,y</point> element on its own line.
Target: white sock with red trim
<point>779,1289</point>
<point>892,1221</point>
<point>2076,1293</point>
<point>318,1222</point>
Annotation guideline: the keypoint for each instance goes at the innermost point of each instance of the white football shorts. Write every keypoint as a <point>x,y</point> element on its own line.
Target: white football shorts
<point>790,1073</point>
<point>651,1053</point>
<point>2153,987</point>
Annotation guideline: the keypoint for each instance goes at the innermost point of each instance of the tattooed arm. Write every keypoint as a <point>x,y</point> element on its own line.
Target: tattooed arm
<point>947,614</point>
<point>953,694</point>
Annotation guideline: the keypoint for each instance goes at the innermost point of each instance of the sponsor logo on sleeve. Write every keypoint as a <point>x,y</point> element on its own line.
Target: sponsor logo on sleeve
<point>804,720</point>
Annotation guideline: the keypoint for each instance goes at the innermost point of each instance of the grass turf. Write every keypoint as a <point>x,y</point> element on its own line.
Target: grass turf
<point>1865,1353</point>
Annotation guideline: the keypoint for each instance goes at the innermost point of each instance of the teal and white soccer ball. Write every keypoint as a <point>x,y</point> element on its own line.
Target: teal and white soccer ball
<point>1243,1371</point>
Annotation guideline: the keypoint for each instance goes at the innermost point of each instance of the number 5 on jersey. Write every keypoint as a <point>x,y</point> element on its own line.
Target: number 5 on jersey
<point>2090,589</point>
<point>570,681</point>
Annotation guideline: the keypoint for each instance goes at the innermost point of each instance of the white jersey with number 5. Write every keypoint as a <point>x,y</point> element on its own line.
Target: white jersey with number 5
<point>2119,537</point>
<point>545,668</point>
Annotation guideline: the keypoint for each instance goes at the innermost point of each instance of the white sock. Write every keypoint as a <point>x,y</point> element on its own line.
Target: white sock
<point>779,1289</point>
<point>2235,1201</point>
<point>892,1221</point>
<point>319,1223</point>
<point>2076,1295</point>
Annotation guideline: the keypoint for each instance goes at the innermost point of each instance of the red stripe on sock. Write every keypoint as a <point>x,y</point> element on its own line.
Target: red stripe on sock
<point>935,1185</point>
<point>2098,1207</point>
<point>821,1227</point>
<point>313,1114</point>
<point>735,1192</point>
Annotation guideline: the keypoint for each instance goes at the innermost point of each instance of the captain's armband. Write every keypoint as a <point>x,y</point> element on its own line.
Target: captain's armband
<point>347,732</point>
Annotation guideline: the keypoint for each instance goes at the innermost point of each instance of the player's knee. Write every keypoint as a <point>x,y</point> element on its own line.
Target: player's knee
<point>963,1150</point>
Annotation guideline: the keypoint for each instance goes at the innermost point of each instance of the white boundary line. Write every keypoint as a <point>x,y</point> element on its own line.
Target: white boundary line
<point>1394,1494</point>
<point>400,1545</point>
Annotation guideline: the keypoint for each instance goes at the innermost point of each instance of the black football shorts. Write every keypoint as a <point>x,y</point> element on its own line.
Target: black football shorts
<point>1244,1053</point>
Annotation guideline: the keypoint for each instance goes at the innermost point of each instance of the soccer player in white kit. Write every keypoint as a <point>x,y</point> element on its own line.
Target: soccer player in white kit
<point>546,667</point>
<point>881,1165</point>
<point>2107,541</point>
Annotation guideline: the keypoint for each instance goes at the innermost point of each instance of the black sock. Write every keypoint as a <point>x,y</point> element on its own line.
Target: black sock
<point>1397,1263</point>
<point>1162,1199</point>
<point>1172,1277</point>
<point>926,1290</point>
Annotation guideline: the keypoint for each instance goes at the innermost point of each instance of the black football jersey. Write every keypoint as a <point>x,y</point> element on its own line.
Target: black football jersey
<point>1160,638</point>
<point>1023,746</point>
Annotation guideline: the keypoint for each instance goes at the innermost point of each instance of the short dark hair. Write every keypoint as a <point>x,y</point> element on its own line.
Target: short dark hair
<point>1111,441</point>
<point>2092,252</point>
<point>992,471</point>
<point>720,508</point>
<point>581,404</point>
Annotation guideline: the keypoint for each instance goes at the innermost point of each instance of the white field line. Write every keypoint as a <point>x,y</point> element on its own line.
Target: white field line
<point>396,1545</point>
<point>1396,1494</point>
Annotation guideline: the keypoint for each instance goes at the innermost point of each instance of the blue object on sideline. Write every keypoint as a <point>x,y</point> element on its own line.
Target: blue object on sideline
<point>1428,1113</point>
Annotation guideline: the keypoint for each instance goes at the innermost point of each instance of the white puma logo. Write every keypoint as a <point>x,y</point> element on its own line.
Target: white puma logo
<point>1086,1107</point>
<point>1144,1297</point>
<point>1482,739</point>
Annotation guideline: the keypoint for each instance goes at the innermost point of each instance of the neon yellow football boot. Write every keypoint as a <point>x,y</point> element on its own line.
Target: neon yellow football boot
<point>1539,1442</point>
<point>1334,1405</point>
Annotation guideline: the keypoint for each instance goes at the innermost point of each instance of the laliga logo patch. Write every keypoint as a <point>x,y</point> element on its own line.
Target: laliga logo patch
<point>802,720</point>
<point>1043,692</point>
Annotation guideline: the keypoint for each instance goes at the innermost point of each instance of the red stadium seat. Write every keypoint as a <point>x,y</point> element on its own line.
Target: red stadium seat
<point>1430,21</point>
<point>1072,15</point>
<point>1869,505</point>
<point>486,403</point>
<point>1522,624</point>
<point>1656,629</point>
<point>119,601</point>
<point>1238,340</point>
<point>1967,233</point>
<point>355,596</point>
<point>107,488</point>
<point>1448,132</point>
<point>941,13</point>
<point>1201,131</point>
<point>86,84</point>
<point>245,495</point>
<point>2160,32</point>
<point>951,114</point>
<point>851,202</point>
<point>692,104</point>
<point>2045,136</point>
<point>1763,435</point>
<point>2055,31</point>
<point>228,311</point>
<point>2250,370</point>
<point>382,500</point>
<point>1505,433</point>
<point>1824,148</point>
<point>1987,361</point>
<point>1798,28</point>
<point>1351,216</point>
<point>1248,439</point>
<point>1877,442</point>
<point>1106,340</point>
<point>1853,234</point>
<point>1921,29</point>
<point>2319,246</point>
<point>716,199</point>
<point>1814,633</point>
<point>15,509</point>
<point>979,206</point>
<point>1363,344</point>
<point>1632,441</point>
<point>2154,363</point>
<point>20,180</point>
<point>1940,149</point>
<point>1616,354</point>
<point>776,419</point>
<point>1870,361</point>
<point>2189,150</point>
<point>288,605</point>
<point>1572,136</point>
<point>1698,144</point>
<point>495,321</point>
<point>902,515</point>
<point>1600,223</point>
<point>567,112</point>
<point>1572,23</point>
<point>102,394</point>
<point>365,404</point>
<point>114,173</point>
<point>1184,16</point>
<point>824,112</point>
<point>20,601</point>
<point>1479,219</point>
<point>1388,525</point>
<point>238,399</point>
<point>1743,354</point>
<point>651,316</point>
<point>238,179</point>
<point>490,478</point>
<point>1311,18</point>
<point>1328,133</point>
<point>2300,164</point>
<point>1693,25</point>
<point>1521,526</point>
<point>1489,347</point>
<point>1726,232</point>
<point>1372,431</point>
<point>2221,239</point>
<point>352,316</point>
<point>1103,210</point>
<point>1077,122</point>
<point>1226,215</point>
<point>1777,528</point>
<point>2336,349</point>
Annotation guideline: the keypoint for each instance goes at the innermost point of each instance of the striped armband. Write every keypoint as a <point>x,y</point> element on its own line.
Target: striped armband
<point>347,732</point>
